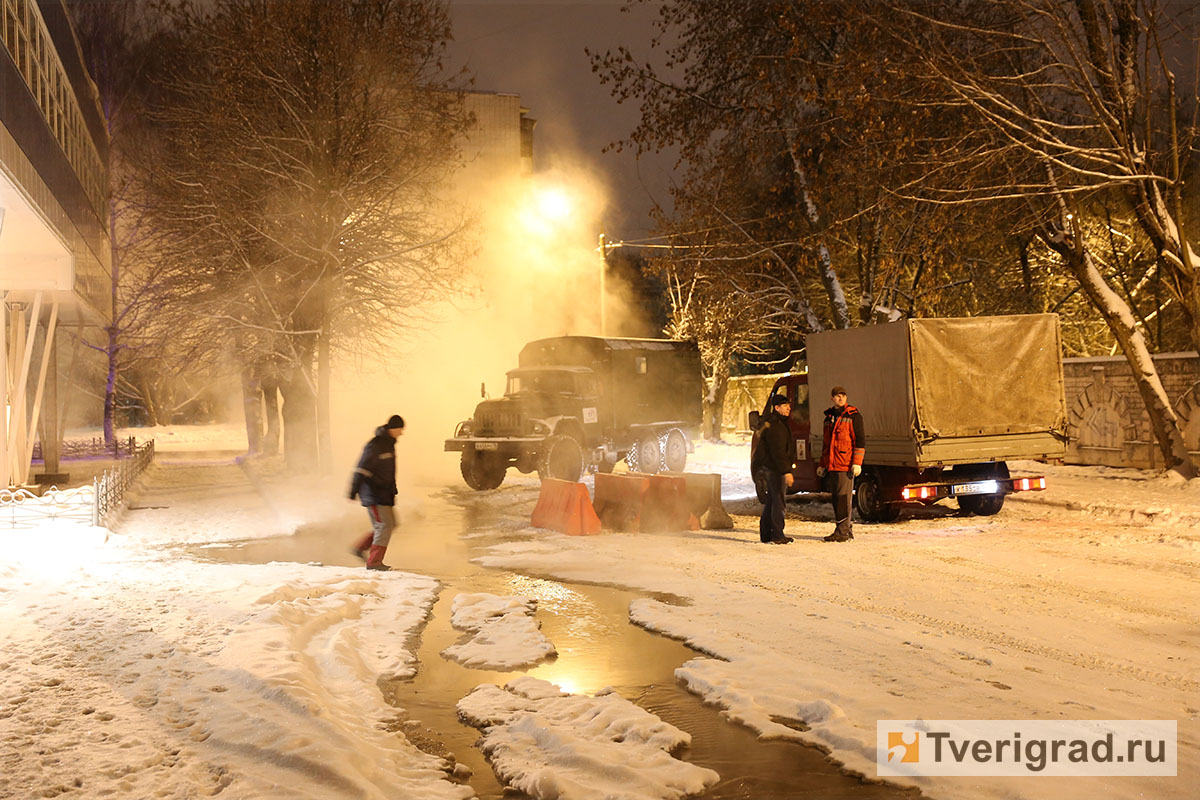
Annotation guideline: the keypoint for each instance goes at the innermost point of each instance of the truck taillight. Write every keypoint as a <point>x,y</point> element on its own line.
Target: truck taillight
<point>1026,484</point>
<point>918,492</point>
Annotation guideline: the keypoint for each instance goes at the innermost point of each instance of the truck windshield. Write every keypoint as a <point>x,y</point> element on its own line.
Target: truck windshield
<point>549,382</point>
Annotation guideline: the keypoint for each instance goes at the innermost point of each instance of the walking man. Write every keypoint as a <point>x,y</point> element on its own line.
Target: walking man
<point>374,484</point>
<point>843,447</point>
<point>776,454</point>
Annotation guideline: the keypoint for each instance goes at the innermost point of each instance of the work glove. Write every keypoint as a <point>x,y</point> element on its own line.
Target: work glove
<point>857,470</point>
<point>820,472</point>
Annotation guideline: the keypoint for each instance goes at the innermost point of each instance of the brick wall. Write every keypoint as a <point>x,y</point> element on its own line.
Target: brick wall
<point>1107,420</point>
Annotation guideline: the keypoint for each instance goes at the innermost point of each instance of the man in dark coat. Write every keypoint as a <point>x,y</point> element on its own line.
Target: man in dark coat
<point>775,457</point>
<point>374,484</point>
<point>843,447</point>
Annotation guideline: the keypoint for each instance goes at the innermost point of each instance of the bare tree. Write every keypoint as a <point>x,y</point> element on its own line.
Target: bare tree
<point>307,143</point>
<point>1076,106</point>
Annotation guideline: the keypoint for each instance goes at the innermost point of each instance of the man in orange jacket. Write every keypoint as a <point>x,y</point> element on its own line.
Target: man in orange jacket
<point>843,447</point>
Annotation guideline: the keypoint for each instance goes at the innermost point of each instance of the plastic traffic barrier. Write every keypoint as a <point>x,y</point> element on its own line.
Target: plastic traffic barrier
<point>618,500</point>
<point>565,507</point>
<point>704,499</point>
<point>641,503</point>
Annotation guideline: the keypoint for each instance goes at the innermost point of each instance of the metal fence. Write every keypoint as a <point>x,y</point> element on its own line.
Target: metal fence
<point>110,487</point>
<point>91,448</point>
<point>85,505</point>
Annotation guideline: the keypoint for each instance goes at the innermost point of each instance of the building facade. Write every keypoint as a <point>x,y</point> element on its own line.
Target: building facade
<point>54,245</point>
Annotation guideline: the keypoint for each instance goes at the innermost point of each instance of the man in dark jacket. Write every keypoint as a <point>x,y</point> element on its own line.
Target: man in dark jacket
<point>843,446</point>
<point>374,484</point>
<point>775,457</point>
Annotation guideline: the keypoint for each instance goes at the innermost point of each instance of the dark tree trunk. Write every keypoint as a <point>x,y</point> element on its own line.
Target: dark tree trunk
<point>110,387</point>
<point>299,423</point>
<point>270,393</point>
<point>252,408</point>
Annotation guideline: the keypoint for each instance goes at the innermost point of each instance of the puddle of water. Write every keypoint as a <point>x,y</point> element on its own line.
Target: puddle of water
<point>597,647</point>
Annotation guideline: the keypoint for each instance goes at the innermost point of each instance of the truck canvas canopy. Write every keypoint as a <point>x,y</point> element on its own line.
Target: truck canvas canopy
<point>943,391</point>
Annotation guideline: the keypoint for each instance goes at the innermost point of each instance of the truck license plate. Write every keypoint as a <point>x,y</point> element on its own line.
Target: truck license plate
<point>487,446</point>
<point>982,487</point>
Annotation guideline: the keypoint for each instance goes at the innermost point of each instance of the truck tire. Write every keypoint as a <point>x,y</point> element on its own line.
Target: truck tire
<point>482,471</point>
<point>562,458</point>
<point>646,456</point>
<point>983,505</point>
<point>869,503</point>
<point>674,451</point>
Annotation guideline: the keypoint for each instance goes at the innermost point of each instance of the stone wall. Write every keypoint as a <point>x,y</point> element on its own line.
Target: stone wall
<point>1107,420</point>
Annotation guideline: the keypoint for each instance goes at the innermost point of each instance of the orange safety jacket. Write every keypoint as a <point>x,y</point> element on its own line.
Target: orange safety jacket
<point>842,445</point>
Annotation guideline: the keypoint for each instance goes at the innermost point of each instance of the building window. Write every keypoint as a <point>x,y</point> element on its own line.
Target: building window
<point>28,42</point>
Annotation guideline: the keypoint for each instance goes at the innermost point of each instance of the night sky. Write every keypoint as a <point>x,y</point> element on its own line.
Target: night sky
<point>537,51</point>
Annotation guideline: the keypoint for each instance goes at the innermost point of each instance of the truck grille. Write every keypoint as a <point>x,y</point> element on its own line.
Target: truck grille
<point>499,423</point>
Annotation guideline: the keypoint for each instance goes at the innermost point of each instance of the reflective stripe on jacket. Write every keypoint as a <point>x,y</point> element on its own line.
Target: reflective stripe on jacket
<point>843,443</point>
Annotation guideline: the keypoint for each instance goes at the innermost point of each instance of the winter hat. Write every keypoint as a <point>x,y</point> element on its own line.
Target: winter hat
<point>837,390</point>
<point>395,421</point>
<point>778,400</point>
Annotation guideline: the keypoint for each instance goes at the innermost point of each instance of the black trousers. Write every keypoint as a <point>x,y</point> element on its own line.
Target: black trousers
<point>770,524</point>
<point>841,487</point>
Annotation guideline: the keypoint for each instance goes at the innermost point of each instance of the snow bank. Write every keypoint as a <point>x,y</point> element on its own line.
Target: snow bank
<point>550,744</point>
<point>507,634</point>
<point>256,680</point>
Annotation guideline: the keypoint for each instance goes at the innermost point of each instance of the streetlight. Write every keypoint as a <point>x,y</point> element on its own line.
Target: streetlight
<point>603,265</point>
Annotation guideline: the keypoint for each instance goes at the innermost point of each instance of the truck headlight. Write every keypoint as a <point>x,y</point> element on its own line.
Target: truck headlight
<point>464,429</point>
<point>540,429</point>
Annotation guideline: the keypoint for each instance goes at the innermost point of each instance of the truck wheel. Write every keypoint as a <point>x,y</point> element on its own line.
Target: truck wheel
<point>674,448</point>
<point>983,505</point>
<point>562,458</point>
<point>482,471</point>
<point>646,456</point>
<point>868,501</point>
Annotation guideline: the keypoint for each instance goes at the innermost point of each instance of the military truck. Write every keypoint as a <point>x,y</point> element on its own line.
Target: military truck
<point>946,403</point>
<point>582,403</point>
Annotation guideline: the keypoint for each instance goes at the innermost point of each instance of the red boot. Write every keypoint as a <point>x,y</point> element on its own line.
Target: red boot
<point>375,560</point>
<point>363,545</point>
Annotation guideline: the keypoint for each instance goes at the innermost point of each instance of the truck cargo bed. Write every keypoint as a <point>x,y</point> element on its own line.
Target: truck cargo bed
<point>947,391</point>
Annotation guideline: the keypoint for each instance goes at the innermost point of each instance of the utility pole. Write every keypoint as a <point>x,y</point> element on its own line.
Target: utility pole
<point>603,269</point>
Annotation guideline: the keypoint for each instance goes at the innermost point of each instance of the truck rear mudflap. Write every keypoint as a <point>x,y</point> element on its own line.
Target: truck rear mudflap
<point>932,492</point>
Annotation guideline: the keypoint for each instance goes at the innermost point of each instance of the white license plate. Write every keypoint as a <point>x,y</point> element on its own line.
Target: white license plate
<point>982,487</point>
<point>487,446</point>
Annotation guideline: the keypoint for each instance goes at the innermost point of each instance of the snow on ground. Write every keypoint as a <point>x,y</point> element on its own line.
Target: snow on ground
<point>129,668</point>
<point>506,632</point>
<point>551,744</point>
<point>1077,602</point>
<point>126,667</point>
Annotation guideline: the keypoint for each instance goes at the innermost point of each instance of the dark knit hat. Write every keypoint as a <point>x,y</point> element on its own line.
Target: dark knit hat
<point>395,421</point>
<point>837,390</point>
<point>778,400</point>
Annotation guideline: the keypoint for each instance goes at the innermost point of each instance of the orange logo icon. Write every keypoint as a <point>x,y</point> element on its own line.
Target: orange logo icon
<point>904,747</point>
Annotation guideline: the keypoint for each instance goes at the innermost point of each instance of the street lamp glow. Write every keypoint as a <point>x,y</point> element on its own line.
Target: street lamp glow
<point>553,204</point>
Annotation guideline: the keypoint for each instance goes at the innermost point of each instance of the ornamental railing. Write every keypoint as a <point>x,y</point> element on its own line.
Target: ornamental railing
<point>91,448</point>
<point>85,505</point>
<point>21,508</point>
<point>111,486</point>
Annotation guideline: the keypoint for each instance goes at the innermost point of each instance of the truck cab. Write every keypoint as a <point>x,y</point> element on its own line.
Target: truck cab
<point>580,403</point>
<point>795,388</point>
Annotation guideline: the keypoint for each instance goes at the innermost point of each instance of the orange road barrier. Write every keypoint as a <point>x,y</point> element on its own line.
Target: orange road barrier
<point>618,500</point>
<point>704,499</point>
<point>565,507</point>
<point>643,503</point>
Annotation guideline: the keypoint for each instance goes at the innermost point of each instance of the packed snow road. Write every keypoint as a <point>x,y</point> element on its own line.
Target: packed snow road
<point>139,663</point>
